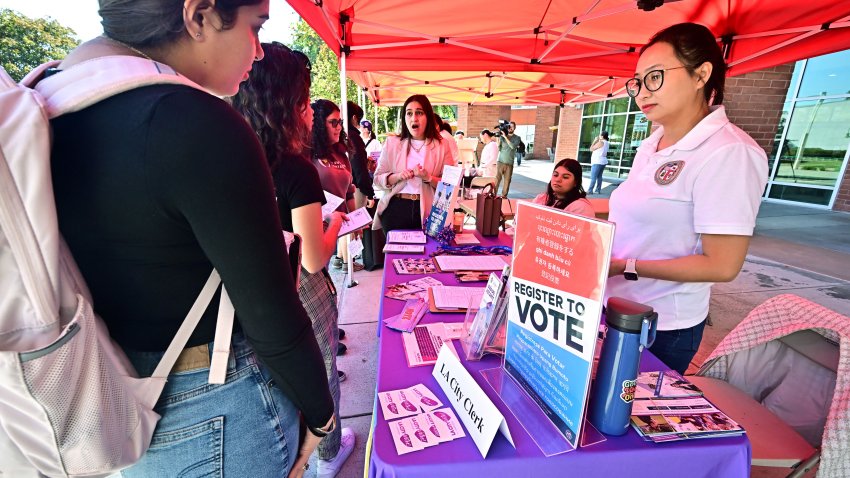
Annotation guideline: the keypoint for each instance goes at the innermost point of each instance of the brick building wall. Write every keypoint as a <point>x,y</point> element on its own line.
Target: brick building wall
<point>842,200</point>
<point>471,119</point>
<point>545,118</point>
<point>754,102</point>
<point>569,124</point>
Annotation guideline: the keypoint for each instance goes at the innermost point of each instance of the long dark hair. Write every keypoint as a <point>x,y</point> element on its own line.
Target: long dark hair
<point>152,23</point>
<point>272,98</point>
<point>431,131</point>
<point>576,192</point>
<point>694,45</point>
<point>322,148</point>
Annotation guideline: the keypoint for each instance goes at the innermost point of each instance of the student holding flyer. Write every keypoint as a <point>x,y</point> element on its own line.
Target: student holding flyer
<point>687,210</point>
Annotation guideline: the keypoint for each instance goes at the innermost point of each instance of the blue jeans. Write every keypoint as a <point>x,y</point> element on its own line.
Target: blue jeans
<point>676,348</point>
<point>245,427</point>
<point>596,177</point>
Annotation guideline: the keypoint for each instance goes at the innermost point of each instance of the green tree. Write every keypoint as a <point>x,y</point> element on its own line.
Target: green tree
<point>325,78</point>
<point>26,43</point>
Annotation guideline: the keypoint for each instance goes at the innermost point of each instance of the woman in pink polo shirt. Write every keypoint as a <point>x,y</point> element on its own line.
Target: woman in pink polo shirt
<point>688,208</point>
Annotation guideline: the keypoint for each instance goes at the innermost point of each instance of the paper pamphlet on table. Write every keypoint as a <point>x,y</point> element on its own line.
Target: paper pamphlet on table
<point>403,248</point>
<point>456,297</point>
<point>471,263</point>
<point>477,412</point>
<point>418,415</point>
<point>472,276</point>
<point>413,311</point>
<point>357,219</point>
<point>466,239</point>
<point>559,272</point>
<point>412,289</point>
<point>445,200</point>
<point>671,419</point>
<point>424,430</point>
<point>414,265</point>
<point>422,346</point>
<point>332,202</point>
<point>407,401</point>
<point>406,237</point>
<point>478,327</point>
<point>664,384</point>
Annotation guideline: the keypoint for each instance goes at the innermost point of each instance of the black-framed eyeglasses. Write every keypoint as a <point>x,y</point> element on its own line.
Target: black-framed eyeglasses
<point>335,122</point>
<point>652,81</point>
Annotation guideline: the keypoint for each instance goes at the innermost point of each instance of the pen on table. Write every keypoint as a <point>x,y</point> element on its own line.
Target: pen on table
<point>659,383</point>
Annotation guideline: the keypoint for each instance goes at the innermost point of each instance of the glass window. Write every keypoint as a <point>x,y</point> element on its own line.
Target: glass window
<point>633,105</point>
<point>615,126</point>
<point>590,129</point>
<point>777,146</point>
<point>826,75</point>
<point>637,129</point>
<point>815,144</point>
<point>593,108</point>
<point>620,105</point>
<point>801,194</point>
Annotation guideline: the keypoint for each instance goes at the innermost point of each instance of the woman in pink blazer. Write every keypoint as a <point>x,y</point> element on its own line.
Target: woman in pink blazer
<point>410,167</point>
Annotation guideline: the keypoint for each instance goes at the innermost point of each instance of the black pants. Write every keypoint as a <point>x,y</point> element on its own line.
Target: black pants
<point>401,214</point>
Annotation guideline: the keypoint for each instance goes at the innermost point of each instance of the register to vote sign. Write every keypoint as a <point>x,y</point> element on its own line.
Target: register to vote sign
<point>560,266</point>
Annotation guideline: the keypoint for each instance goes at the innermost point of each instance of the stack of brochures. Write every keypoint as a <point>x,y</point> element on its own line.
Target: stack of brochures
<point>405,242</point>
<point>422,422</point>
<point>668,408</point>
<point>484,328</point>
<point>414,265</point>
<point>412,289</point>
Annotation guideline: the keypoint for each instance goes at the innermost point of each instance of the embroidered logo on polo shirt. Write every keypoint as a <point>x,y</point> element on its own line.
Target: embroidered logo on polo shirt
<point>668,172</point>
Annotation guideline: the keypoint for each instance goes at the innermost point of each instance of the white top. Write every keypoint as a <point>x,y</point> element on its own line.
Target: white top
<point>710,182</point>
<point>489,158</point>
<point>600,156</point>
<point>452,145</point>
<point>580,206</point>
<point>374,146</point>
<point>414,159</point>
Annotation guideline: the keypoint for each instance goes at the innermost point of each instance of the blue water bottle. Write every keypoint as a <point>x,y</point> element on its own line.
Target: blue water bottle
<point>631,328</point>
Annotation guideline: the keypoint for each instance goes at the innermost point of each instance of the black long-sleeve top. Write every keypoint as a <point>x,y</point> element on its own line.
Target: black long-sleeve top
<point>360,165</point>
<point>156,186</point>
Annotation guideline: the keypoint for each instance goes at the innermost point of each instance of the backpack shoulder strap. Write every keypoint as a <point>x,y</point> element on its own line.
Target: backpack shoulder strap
<point>94,80</point>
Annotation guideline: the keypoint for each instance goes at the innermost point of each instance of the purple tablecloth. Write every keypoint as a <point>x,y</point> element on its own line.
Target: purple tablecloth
<point>625,456</point>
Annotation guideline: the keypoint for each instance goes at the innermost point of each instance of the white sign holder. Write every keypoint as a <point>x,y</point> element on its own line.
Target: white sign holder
<point>475,409</point>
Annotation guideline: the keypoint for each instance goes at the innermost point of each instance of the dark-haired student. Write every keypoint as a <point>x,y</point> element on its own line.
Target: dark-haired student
<point>565,191</point>
<point>410,168</point>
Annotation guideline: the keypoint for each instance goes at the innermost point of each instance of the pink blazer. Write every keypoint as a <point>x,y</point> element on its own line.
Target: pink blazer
<point>394,159</point>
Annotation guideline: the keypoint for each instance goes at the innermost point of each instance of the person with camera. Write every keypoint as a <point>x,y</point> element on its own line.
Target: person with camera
<point>520,147</point>
<point>508,144</point>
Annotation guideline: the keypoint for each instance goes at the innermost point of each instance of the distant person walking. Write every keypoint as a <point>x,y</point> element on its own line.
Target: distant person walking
<point>598,160</point>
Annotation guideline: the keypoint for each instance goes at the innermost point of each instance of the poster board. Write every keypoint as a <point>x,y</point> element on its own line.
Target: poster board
<point>560,268</point>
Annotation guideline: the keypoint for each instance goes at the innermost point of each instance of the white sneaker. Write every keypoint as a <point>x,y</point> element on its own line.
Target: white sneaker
<point>330,468</point>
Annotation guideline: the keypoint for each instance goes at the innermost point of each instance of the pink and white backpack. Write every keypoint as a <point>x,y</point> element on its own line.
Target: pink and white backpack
<point>71,404</point>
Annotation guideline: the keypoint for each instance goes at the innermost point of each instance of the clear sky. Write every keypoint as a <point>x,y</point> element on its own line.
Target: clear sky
<point>81,16</point>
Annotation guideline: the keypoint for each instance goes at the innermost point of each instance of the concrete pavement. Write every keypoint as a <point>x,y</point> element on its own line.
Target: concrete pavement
<point>795,250</point>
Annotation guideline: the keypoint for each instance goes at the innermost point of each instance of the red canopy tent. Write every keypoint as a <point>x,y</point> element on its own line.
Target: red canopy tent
<point>485,51</point>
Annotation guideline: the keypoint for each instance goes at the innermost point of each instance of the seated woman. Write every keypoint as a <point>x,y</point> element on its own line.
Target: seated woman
<point>565,191</point>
